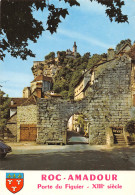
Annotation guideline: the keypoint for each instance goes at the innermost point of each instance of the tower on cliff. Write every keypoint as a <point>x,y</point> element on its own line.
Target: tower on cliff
<point>74,49</point>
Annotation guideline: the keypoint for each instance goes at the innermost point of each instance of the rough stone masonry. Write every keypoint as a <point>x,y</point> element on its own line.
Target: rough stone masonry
<point>108,104</point>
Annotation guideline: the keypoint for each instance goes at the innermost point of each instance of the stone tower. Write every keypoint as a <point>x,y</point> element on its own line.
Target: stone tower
<point>74,48</point>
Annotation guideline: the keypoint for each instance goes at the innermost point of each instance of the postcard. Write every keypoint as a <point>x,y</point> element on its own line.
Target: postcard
<point>67,97</point>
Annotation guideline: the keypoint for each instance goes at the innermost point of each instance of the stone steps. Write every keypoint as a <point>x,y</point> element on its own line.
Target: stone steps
<point>119,139</point>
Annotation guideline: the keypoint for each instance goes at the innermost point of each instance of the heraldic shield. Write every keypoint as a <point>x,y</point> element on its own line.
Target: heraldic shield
<point>14,182</point>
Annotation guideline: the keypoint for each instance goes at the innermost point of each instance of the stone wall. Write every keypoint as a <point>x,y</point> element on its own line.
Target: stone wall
<point>53,118</point>
<point>133,82</point>
<point>26,115</point>
<point>111,103</point>
<point>108,104</point>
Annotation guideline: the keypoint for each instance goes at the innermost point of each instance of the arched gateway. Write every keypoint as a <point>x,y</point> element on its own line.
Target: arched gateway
<point>108,105</point>
<point>53,118</point>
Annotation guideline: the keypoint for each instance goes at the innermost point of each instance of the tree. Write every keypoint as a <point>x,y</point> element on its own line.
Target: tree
<point>86,57</point>
<point>61,56</point>
<point>60,85</point>
<point>122,43</point>
<point>18,25</point>
<point>71,71</point>
<point>51,55</point>
<point>93,60</point>
<point>78,55</point>
<point>64,94</point>
<point>67,77</point>
<point>61,81</point>
<point>82,123</point>
<point>130,127</point>
<point>77,62</point>
<point>74,80</point>
<point>4,112</point>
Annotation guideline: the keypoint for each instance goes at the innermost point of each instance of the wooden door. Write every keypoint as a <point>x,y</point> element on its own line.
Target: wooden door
<point>28,132</point>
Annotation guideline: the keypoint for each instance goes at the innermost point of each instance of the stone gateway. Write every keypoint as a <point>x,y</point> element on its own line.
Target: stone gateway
<point>107,105</point>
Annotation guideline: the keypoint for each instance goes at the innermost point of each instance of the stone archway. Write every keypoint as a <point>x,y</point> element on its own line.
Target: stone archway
<point>53,118</point>
<point>108,104</point>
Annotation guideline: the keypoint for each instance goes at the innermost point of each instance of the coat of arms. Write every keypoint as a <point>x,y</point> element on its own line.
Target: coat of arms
<point>14,182</point>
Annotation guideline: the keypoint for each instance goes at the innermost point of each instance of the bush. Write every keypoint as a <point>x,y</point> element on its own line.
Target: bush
<point>64,94</point>
<point>51,55</point>
<point>130,127</point>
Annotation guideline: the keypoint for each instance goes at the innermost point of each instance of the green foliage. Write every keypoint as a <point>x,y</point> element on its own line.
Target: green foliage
<point>19,27</point>
<point>64,94</point>
<point>82,123</point>
<point>71,94</point>
<point>4,111</point>
<point>130,127</point>
<point>60,85</point>
<point>93,60</point>
<point>61,57</point>
<point>78,55</point>
<point>86,57</point>
<point>51,55</point>
<point>68,76</point>
<point>61,80</point>
<point>61,54</point>
<point>80,120</point>
<point>72,69</point>
<point>70,62</point>
<point>122,43</point>
<point>77,62</point>
<point>73,81</point>
<point>75,78</point>
<point>83,66</point>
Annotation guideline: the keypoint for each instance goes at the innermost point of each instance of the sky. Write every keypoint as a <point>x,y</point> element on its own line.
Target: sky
<point>87,24</point>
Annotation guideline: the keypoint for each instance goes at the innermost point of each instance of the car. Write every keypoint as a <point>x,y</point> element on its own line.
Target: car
<point>4,149</point>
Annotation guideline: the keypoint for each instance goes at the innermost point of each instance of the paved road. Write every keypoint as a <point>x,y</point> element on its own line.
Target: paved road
<point>75,138</point>
<point>79,139</point>
<point>77,157</point>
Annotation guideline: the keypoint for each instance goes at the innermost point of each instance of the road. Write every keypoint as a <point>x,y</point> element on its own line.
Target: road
<point>73,157</point>
<point>77,155</point>
<point>76,138</point>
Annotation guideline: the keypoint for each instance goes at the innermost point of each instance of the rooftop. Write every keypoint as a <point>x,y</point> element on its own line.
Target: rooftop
<point>17,102</point>
<point>42,78</point>
<point>31,100</point>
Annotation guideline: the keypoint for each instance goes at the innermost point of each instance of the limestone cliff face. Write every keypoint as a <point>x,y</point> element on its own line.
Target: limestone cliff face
<point>47,68</point>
